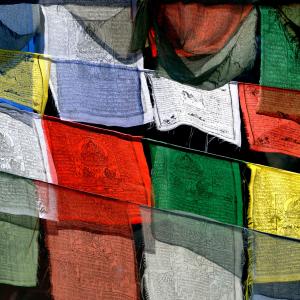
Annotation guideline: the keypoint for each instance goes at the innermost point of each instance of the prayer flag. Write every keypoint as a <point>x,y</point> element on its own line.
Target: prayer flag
<point>197,183</point>
<point>22,150</point>
<point>280,59</point>
<point>274,205</point>
<point>214,112</point>
<point>24,78</point>
<point>264,133</point>
<point>18,250</point>
<point>98,161</point>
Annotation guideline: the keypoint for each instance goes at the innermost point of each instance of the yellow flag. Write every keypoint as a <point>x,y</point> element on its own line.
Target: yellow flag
<point>272,259</point>
<point>274,205</point>
<point>24,78</point>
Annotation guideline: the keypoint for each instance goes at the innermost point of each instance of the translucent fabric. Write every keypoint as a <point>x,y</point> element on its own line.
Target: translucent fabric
<point>280,42</point>
<point>18,196</point>
<point>61,22</point>
<point>190,258</point>
<point>274,205</point>
<point>94,251</point>
<point>22,151</point>
<point>207,71</point>
<point>279,103</point>
<point>18,24</point>
<point>197,258</point>
<point>81,157</point>
<point>88,263</point>
<point>190,30</point>
<point>107,92</point>
<point>58,203</point>
<point>91,245</point>
<point>18,250</point>
<point>196,183</point>
<point>276,291</point>
<point>274,266</point>
<point>110,24</point>
<point>25,78</point>
<point>264,133</point>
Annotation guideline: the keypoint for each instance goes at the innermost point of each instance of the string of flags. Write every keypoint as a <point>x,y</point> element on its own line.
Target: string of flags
<point>90,209</point>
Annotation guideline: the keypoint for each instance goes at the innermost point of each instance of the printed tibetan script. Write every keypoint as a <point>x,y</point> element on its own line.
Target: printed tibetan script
<point>215,112</point>
<point>20,150</point>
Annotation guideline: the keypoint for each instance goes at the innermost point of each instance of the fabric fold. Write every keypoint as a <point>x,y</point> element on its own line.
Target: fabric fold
<point>24,78</point>
<point>108,89</point>
<point>206,71</point>
<point>19,23</point>
<point>190,258</point>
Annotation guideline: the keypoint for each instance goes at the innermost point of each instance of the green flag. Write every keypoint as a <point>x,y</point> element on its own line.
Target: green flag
<point>18,250</point>
<point>196,183</point>
<point>280,55</point>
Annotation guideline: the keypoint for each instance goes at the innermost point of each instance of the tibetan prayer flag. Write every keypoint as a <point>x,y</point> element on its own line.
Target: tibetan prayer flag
<point>274,205</point>
<point>264,133</point>
<point>18,196</point>
<point>100,32</point>
<point>18,24</point>
<point>274,266</point>
<point>100,93</point>
<point>16,105</point>
<point>91,262</point>
<point>206,71</point>
<point>63,204</point>
<point>24,78</point>
<point>98,161</point>
<point>18,250</point>
<point>214,112</point>
<point>105,92</point>
<point>280,42</point>
<point>190,258</point>
<point>279,103</point>
<point>196,183</point>
<point>276,290</point>
<point>21,149</point>
<point>196,29</point>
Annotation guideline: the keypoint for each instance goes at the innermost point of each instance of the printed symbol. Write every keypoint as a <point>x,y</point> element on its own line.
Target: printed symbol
<point>6,143</point>
<point>190,98</point>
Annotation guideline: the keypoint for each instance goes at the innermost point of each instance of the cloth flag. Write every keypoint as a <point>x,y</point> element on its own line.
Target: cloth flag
<point>190,258</point>
<point>24,78</point>
<point>264,133</point>
<point>18,250</point>
<point>196,183</point>
<point>280,42</point>
<point>98,161</point>
<point>22,149</point>
<point>214,112</point>
<point>274,205</point>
